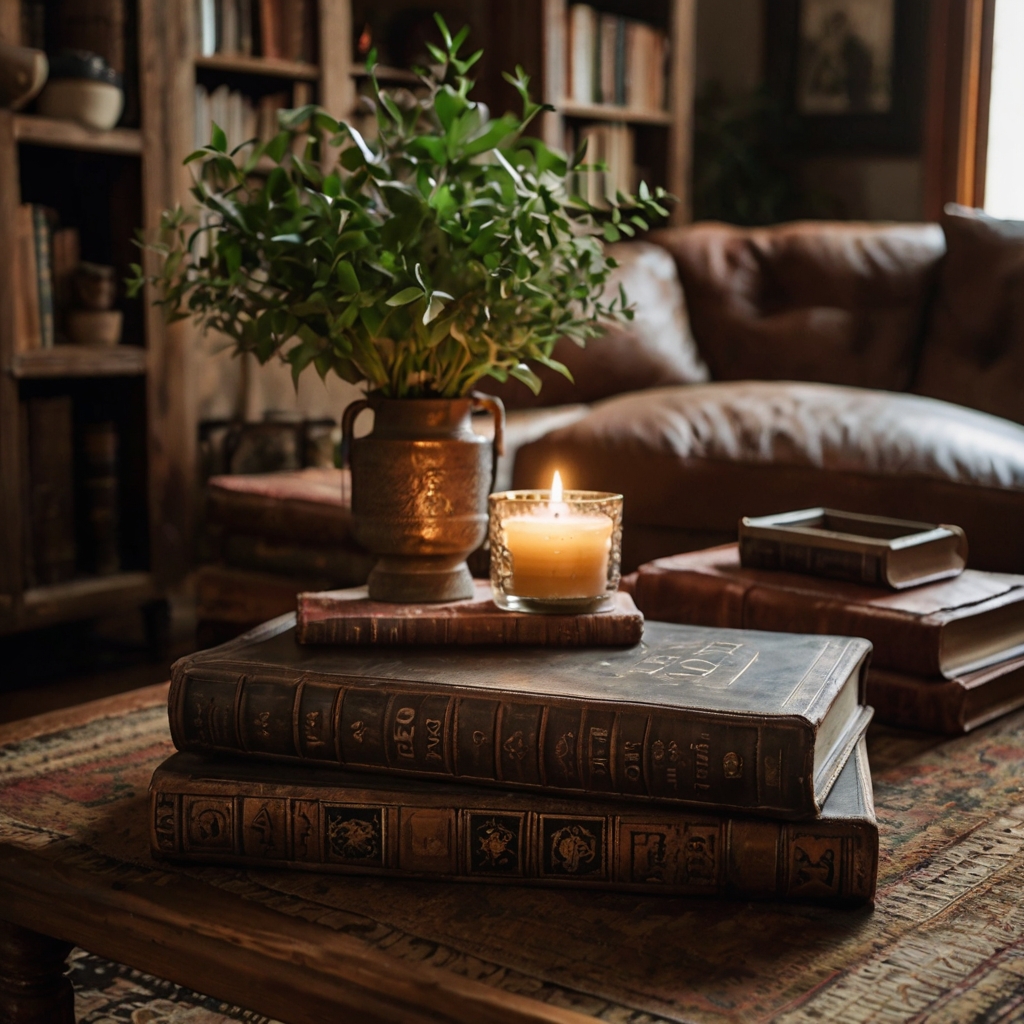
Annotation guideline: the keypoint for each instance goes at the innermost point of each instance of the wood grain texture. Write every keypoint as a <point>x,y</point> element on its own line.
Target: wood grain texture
<point>210,940</point>
<point>81,361</point>
<point>942,942</point>
<point>33,988</point>
<point>51,131</point>
<point>167,92</point>
<point>349,617</point>
<point>11,449</point>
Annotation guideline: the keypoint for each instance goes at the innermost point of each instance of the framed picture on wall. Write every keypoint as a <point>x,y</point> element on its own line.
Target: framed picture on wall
<point>852,72</point>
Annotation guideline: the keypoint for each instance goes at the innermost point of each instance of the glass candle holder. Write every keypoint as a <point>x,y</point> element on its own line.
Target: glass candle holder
<point>555,551</point>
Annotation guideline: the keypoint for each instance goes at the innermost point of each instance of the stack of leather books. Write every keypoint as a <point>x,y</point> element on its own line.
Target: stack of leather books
<point>700,761</point>
<point>271,536</point>
<point>948,655</point>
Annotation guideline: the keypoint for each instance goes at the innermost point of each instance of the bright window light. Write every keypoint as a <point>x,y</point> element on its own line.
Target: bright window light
<point>1004,169</point>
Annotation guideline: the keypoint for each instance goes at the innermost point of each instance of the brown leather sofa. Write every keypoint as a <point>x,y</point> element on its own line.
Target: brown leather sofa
<point>876,368</point>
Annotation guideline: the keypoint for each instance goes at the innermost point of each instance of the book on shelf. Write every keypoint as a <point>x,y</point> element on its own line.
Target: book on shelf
<point>276,29</point>
<point>65,247</point>
<point>748,721</point>
<point>614,60</point>
<point>49,453</point>
<point>216,810</point>
<point>944,629</point>
<point>44,276</point>
<point>613,145</point>
<point>99,449</point>
<point>948,706</point>
<point>27,332</point>
<point>241,116</point>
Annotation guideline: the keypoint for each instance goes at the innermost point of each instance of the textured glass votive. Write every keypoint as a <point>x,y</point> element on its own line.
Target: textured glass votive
<point>555,555</point>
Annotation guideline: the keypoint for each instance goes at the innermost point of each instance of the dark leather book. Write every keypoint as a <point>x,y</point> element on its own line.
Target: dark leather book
<point>945,629</point>
<point>51,488</point>
<point>874,550</point>
<point>298,506</point>
<point>350,618</point>
<point>948,706</point>
<point>344,565</point>
<point>744,720</point>
<point>99,447</point>
<point>220,811</point>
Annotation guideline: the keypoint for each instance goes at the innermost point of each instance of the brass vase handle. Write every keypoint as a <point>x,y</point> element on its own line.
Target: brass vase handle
<point>497,409</point>
<point>348,422</point>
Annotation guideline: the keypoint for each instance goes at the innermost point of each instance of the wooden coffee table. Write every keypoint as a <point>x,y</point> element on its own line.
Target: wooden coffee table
<point>946,934</point>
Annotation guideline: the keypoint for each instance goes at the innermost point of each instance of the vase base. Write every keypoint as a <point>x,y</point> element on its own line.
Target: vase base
<point>420,579</point>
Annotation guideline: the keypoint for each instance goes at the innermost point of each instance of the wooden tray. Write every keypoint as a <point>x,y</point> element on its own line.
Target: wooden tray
<point>348,617</point>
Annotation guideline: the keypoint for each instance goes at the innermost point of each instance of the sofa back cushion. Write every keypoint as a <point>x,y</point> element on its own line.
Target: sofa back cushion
<point>654,348</point>
<point>839,303</point>
<point>974,348</point>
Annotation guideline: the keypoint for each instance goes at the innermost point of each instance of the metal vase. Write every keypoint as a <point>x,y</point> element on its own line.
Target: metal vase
<point>420,482</point>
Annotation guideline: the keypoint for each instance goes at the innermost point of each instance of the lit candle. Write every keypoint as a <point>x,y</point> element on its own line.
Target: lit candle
<point>556,552</point>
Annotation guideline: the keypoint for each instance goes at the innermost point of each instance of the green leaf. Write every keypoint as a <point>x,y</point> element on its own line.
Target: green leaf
<point>405,296</point>
<point>523,373</point>
<point>278,146</point>
<point>218,140</point>
<point>434,307</point>
<point>347,277</point>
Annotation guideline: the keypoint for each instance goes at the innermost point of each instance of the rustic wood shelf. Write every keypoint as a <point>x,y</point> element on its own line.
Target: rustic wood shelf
<point>395,76</point>
<point>86,597</point>
<point>50,131</point>
<point>241,64</point>
<point>610,112</point>
<point>79,361</point>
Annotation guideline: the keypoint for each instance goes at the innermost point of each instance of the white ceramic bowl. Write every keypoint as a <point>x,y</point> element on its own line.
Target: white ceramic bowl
<point>94,104</point>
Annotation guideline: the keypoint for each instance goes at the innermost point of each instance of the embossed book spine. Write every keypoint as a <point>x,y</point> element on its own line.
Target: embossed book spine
<point>667,720</point>
<point>215,811</point>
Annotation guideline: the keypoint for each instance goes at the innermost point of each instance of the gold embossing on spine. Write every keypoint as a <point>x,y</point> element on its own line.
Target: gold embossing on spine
<point>475,731</point>
<point>427,841</point>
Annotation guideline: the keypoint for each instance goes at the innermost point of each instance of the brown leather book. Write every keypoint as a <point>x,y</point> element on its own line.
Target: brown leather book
<point>298,506</point>
<point>349,617</point>
<point>742,720</point>
<point>51,488</point>
<point>948,706</point>
<point>344,565</point>
<point>27,331</point>
<point>220,811</point>
<point>945,629</point>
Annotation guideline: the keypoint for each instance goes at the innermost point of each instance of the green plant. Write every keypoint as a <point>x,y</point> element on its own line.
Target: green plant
<point>443,251</point>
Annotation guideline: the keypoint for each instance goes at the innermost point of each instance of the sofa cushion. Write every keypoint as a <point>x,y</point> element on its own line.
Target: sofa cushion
<point>974,349</point>
<point>694,460</point>
<point>839,302</point>
<point>653,349</point>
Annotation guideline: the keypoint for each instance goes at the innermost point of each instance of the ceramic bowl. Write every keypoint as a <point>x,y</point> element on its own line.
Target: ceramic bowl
<point>94,104</point>
<point>95,328</point>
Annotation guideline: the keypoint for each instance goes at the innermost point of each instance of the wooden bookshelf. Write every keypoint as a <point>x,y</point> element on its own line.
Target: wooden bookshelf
<point>271,67</point>
<point>79,361</point>
<point>669,151</point>
<point>609,112</point>
<point>106,184</point>
<point>48,131</point>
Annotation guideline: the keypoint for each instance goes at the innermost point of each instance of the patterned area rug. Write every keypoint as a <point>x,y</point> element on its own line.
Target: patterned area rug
<point>944,941</point>
<point>109,993</point>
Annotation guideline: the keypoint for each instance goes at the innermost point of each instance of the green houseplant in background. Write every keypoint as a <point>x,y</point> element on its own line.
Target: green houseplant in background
<point>442,252</point>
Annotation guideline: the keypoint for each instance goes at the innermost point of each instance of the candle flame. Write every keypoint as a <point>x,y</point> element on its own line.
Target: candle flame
<point>556,488</point>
